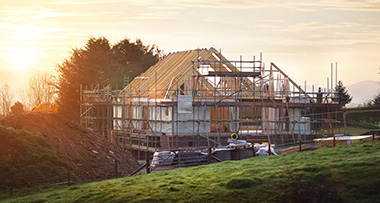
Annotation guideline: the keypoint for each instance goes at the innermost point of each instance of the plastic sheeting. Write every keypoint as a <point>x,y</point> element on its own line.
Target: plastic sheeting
<point>262,150</point>
<point>162,158</point>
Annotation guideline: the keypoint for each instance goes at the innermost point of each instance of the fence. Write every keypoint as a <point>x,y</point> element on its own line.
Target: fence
<point>14,180</point>
<point>340,122</point>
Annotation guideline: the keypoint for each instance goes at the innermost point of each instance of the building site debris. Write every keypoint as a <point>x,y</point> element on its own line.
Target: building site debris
<point>343,140</point>
<point>162,158</point>
<point>45,108</point>
<point>295,149</point>
<point>238,143</point>
<point>263,149</point>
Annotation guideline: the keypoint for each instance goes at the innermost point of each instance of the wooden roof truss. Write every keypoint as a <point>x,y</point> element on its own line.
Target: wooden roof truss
<point>206,72</point>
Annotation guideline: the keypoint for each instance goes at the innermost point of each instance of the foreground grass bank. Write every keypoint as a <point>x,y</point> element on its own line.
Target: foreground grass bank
<point>28,161</point>
<point>340,174</point>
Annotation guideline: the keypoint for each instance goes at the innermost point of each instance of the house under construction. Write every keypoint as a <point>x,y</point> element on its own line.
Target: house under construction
<point>199,98</point>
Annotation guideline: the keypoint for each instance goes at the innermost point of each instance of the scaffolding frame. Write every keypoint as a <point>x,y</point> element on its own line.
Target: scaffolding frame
<point>203,100</point>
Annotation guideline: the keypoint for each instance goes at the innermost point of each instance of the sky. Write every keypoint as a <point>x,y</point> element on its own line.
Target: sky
<point>301,37</point>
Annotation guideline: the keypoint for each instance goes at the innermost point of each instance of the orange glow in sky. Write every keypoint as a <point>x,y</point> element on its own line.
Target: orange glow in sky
<point>301,37</point>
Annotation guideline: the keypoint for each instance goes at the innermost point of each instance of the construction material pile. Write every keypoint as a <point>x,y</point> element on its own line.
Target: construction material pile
<point>88,154</point>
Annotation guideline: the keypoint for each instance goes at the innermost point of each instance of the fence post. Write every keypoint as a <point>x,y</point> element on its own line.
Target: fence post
<point>179,158</point>
<point>115,168</point>
<point>147,161</point>
<point>209,155</point>
<point>11,182</point>
<point>334,140</point>
<point>68,177</point>
<point>300,145</point>
<point>269,149</point>
<point>373,137</point>
<point>10,174</point>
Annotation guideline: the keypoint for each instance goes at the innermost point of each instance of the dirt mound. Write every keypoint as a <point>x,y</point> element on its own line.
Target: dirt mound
<point>88,154</point>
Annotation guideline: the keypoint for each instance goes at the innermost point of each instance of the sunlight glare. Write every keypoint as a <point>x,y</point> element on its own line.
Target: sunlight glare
<point>22,53</point>
<point>22,58</point>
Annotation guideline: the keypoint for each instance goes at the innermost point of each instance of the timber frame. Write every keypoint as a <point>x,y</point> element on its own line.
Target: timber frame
<point>198,98</point>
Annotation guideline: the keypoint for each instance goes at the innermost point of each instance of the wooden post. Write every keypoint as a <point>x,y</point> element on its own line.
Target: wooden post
<point>11,182</point>
<point>10,174</point>
<point>209,155</point>
<point>300,146</point>
<point>179,159</point>
<point>334,140</point>
<point>68,177</point>
<point>238,153</point>
<point>269,149</point>
<point>115,168</point>
<point>147,162</point>
<point>373,137</point>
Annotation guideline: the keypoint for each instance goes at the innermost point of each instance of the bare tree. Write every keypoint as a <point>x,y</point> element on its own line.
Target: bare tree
<point>41,90</point>
<point>6,99</point>
<point>24,98</point>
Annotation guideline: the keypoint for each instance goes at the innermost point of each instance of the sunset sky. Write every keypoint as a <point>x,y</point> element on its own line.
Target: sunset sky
<point>301,37</point>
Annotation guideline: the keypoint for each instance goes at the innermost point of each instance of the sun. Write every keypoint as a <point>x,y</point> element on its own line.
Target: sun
<point>22,58</point>
<point>22,53</point>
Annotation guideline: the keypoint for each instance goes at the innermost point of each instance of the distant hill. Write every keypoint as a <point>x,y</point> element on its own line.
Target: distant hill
<point>363,91</point>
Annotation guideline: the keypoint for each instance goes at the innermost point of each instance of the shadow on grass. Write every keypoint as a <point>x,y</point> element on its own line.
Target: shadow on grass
<point>297,187</point>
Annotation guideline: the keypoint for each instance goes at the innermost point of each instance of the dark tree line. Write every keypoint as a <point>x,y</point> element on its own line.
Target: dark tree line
<point>341,95</point>
<point>375,102</point>
<point>100,62</point>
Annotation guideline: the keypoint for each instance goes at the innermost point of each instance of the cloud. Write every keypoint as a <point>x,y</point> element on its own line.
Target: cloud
<point>215,4</point>
<point>35,13</point>
<point>349,5</point>
<point>155,15</point>
<point>82,2</point>
<point>317,25</point>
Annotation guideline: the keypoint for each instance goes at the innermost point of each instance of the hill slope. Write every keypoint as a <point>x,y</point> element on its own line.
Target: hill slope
<point>363,91</point>
<point>88,154</point>
<point>339,174</point>
<point>28,159</point>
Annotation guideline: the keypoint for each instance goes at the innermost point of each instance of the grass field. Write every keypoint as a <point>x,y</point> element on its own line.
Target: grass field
<point>351,130</point>
<point>340,174</point>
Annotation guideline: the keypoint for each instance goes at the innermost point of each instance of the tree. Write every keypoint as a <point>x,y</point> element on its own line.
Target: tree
<point>341,94</point>
<point>24,99</point>
<point>6,98</point>
<point>100,63</point>
<point>132,59</point>
<point>42,89</point>
<point>375,101</point>
<point>17,108</point>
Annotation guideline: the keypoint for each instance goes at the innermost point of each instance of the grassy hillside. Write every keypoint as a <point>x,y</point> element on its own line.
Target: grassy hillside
<point>29,160</point>
<point>340,174</point>
<point>89,155</point>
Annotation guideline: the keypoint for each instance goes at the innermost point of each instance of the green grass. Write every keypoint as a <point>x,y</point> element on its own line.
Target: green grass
<point>351,130</point>
<point>339,174</point>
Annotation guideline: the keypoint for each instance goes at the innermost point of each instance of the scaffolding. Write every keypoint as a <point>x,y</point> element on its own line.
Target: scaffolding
<point>198,98</point>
